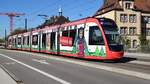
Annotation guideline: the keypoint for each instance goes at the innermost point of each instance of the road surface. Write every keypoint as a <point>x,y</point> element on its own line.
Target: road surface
<point>36,68</point>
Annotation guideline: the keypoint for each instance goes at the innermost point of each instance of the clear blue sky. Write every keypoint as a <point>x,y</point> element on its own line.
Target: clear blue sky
<point>74,9</point>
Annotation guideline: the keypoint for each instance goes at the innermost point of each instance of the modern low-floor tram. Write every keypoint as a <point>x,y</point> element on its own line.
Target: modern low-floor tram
<point>88,38</point>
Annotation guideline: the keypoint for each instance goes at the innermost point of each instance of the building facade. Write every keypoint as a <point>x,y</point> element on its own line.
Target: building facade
<point>132,18</point>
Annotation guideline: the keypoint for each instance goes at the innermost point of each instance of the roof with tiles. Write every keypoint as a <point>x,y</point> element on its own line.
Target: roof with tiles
<point>141,5</point>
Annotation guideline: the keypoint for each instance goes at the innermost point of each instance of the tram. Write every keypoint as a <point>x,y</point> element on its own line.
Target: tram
<point>88,38</point>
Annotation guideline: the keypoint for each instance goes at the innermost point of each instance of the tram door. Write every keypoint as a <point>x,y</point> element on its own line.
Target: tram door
<point>53,40</point>
<point>44,41</point>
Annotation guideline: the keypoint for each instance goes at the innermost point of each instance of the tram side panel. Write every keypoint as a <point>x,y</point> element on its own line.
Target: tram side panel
<point>43,37</point>
<point>84,40</point>
<point>53,45</point>
<point>19,41</point>
<point>14,43</point>
<point>35,41</point>
<point>48,41</point>
<point>26,41</point>
<point>67,40</point>
<point>95,47</point>
<point>75,41</point>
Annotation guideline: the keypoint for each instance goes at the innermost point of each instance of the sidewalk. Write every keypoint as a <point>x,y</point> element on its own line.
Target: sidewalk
<point>5,78</point>
<point>137,54</point>
<point>142,56</point>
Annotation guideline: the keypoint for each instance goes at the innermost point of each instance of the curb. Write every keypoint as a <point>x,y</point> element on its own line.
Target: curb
<point>138,54</point>
<point>17,80</point>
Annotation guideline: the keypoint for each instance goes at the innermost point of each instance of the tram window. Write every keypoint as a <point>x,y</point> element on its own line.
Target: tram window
<point>28,40</point>
<point>19,41</point>
<point>72,34</point>
<point>35,40</point>
<point>48,41</point>
<point>95,36</point>
<point>44,40</point>
<point>53,35</point>
<point>65,33</point>
<point>15,41</point>
<point>24,40</point>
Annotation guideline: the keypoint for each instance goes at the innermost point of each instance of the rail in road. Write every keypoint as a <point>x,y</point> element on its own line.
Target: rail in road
<point>35,68</point>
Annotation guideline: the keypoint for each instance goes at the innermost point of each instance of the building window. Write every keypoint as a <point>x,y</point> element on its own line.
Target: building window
<point>132,31</point>
<point>148,31</point>
<point>143,19</point>
<point>134,43</point>
<point>123,30</point>
<point>148,20</point>
<point>132,18</point>
<point>127,5</point>
<point>123,18</point>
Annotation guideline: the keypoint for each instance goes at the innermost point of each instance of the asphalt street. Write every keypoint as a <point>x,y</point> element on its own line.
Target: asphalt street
<point>48,69</point>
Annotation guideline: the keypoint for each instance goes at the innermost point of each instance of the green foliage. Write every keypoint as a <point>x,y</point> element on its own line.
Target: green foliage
<point>144,44</point>
<point>2,40</point>
<point>18,30</point>
<point>102,52</point>
<point>96,52</point>
<point>143,40</point>
<point>126,42</point>
<point>54,20</point>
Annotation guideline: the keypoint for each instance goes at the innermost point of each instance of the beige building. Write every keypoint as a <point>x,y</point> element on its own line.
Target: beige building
<point>131,16</point>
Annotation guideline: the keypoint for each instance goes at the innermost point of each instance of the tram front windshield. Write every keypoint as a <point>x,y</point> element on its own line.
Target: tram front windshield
<point>112,35</point>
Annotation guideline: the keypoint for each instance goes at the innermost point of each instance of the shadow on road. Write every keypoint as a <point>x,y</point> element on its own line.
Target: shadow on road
<point>123,60</point>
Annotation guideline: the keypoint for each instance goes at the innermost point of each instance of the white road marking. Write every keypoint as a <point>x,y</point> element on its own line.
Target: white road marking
<point>40,61</point>
<point>140,62</point>
<point>102,67</point>
<point>9,63</point>
<point>108,68</point>
<point>37,70</point>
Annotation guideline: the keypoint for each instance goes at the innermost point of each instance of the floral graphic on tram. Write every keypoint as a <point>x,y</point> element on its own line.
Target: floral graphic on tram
<point>80,46</point>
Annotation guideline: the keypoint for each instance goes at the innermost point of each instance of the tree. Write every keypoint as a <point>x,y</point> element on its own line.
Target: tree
<point>144,44</point>
<point>18,30</point>
<point>2,40</point>
<point>126,42</point>
<point>55,20</point>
